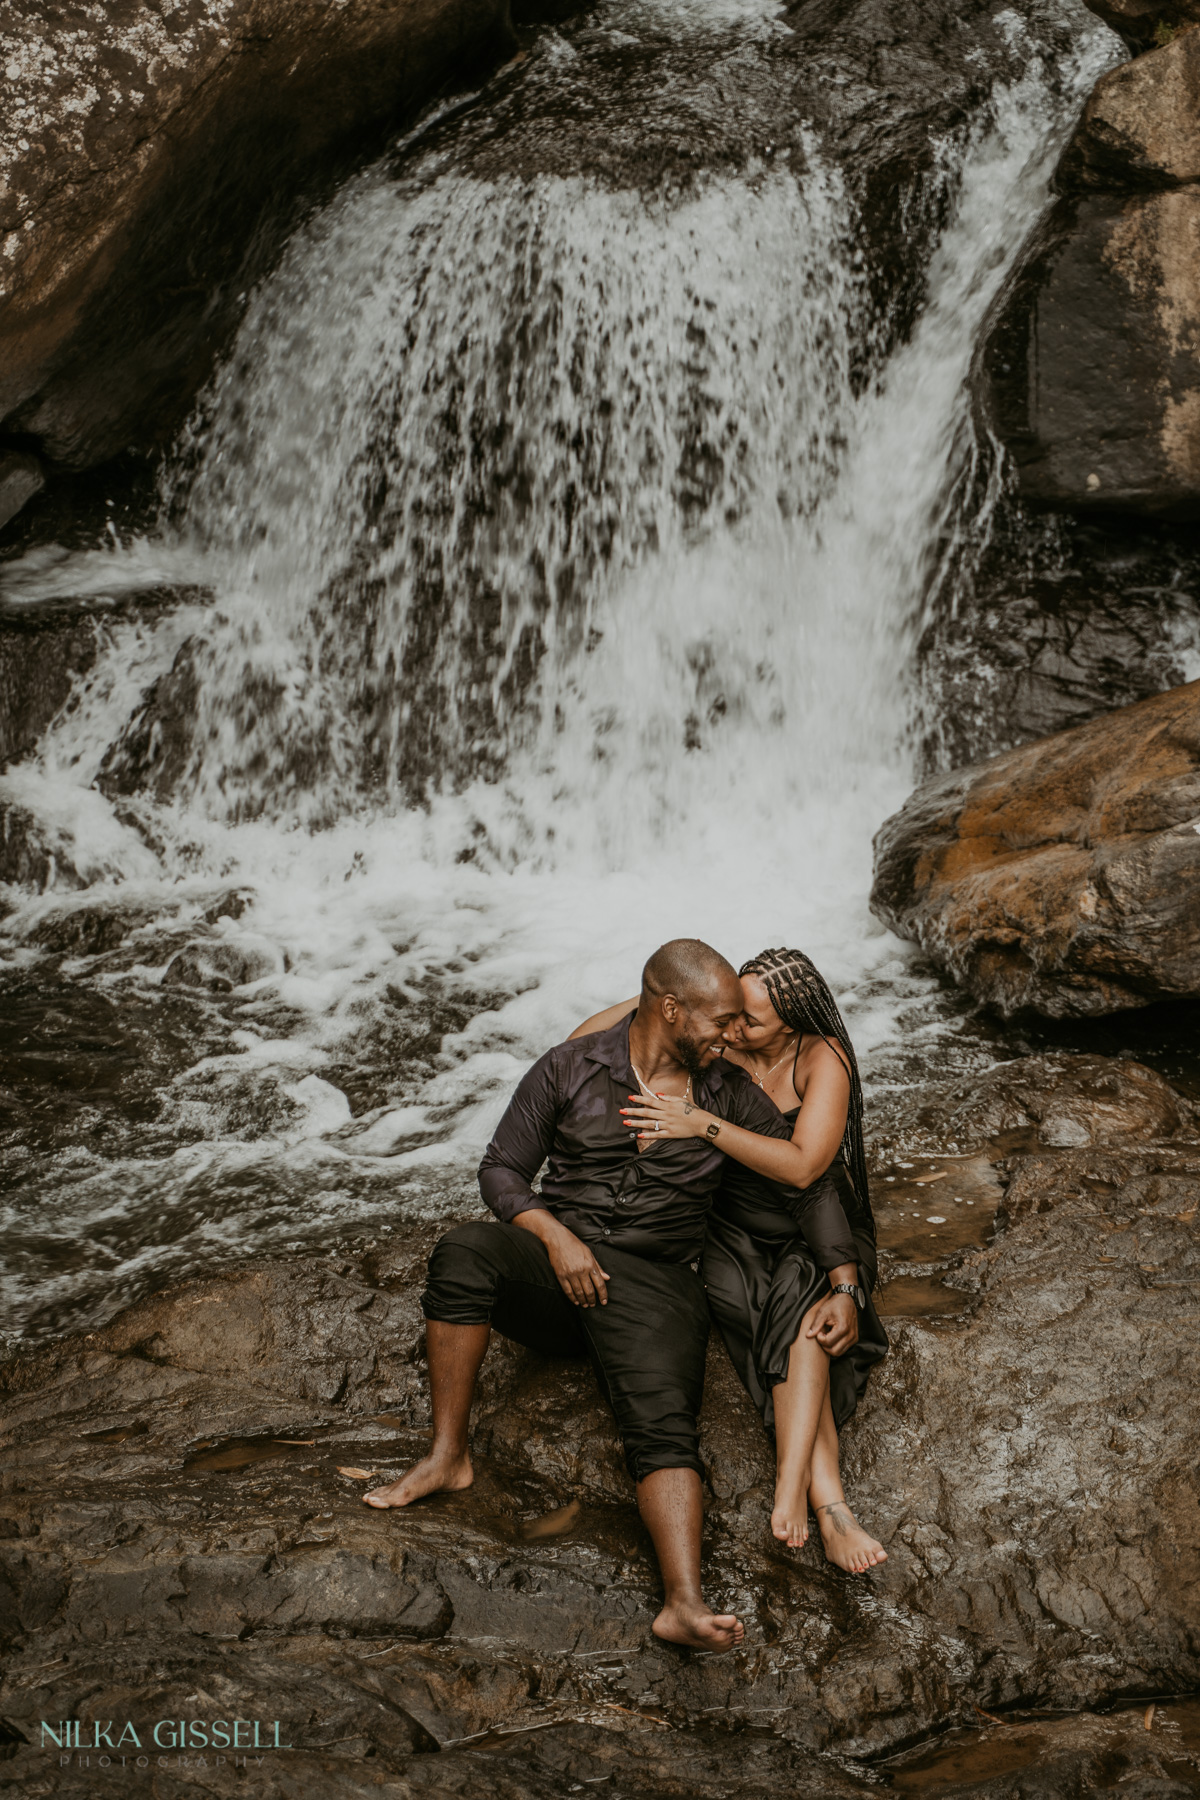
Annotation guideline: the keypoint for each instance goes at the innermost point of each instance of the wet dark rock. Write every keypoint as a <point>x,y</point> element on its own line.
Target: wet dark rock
<point>89,929</point>
<point>1088,374</point>
<point>153,752</point>
<point>131,226</point>
<point>1065,620</point>
<point>1089,377</point>
<point>41,657</point>
<point>1144,23</point>
<point>31,856</point>
<point>21,477</point>
<point>1062,876</point>
<point>221,964</point>
<point>301,1329</point>
<point>84,1068</point>
<point>176,1508</point>
<point>1050,1759</point>
<point>46,646</point>
<point>230,905</point>
<point>1060,1101</point>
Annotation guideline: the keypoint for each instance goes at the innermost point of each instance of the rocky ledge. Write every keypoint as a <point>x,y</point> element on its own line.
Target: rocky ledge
<point>182,1533</point>
<point>1062,876</point>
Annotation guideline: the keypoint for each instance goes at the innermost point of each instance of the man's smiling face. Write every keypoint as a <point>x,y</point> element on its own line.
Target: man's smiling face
<point>700,1032</point>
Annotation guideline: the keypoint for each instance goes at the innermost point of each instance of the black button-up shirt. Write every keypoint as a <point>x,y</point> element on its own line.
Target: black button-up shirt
<point>566,1111</point>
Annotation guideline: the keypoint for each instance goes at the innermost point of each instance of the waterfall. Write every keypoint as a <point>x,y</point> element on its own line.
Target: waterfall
<point>566,575</point>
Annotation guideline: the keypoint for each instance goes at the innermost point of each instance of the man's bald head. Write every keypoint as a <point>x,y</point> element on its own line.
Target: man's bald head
<point>690,995</point>
<point>688,968</point>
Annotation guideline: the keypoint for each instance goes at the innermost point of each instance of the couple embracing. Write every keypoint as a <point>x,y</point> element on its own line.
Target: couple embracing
<point>703,1154</point>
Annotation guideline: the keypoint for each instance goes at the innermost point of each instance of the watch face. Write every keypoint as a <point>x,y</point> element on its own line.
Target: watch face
<point>712,1130</point>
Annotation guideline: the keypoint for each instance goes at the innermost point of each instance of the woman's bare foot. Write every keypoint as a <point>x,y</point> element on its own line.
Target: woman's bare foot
<point>434,1474</point>
<point>789,1521</point>
<point>846,1543</point>
<point>690,1622</point>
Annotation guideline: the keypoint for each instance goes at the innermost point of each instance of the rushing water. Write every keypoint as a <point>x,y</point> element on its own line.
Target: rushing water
<point>565,579</point>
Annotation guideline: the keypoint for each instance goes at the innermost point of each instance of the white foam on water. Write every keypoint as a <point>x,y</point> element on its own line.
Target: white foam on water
<point>489,393</point>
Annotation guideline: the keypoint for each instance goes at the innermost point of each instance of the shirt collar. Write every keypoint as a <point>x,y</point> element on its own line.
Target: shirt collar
<point>611,1048</point>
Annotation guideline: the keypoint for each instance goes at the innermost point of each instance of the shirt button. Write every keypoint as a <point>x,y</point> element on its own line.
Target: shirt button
<point>607,1232</point>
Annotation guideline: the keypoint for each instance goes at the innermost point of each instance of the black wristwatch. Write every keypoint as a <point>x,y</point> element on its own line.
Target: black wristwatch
<point>857,1294</point>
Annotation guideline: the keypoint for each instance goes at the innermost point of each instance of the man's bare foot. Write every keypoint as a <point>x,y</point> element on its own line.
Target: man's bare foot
<point>691,1623</point>
<point>432,1475</point>
<point>846,1543</point>
<point>789,1521</point>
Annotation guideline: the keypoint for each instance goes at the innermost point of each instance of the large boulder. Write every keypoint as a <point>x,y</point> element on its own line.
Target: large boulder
<point>1089,373</point>
<point>151,155</point>
<point>1141,125</point>
<point>1091,378</point>
<point>1063,876</point>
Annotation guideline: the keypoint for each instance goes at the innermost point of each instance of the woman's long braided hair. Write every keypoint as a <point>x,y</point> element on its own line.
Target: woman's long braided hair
<point>800,995</point>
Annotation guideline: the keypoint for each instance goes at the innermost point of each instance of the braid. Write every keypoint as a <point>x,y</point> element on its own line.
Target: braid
<point>801,996</point>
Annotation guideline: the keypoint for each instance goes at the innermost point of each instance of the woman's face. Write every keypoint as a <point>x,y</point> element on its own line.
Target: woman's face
<point>759,1023</point>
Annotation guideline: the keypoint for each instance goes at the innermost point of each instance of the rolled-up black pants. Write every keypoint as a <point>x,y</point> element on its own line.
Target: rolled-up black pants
<point>646,1345</point>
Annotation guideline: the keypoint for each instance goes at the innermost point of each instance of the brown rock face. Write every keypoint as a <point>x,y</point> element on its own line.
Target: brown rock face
<point>1142,121</point>
<point>150,156</point>
<point>1062,876</point>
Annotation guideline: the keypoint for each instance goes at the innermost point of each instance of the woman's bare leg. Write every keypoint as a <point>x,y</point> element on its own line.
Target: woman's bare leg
<point>799,1402</point>
<point>846,1543</point>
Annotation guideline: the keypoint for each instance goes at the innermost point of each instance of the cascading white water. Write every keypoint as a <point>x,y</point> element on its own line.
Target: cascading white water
<point>574,500</point>
<point>466,412</point>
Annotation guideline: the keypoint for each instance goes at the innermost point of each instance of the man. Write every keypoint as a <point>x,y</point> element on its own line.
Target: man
<point>599,1262</point>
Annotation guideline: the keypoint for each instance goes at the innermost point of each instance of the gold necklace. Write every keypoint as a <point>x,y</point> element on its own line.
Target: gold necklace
<point>762,1080</point>
<point>647,1089</point>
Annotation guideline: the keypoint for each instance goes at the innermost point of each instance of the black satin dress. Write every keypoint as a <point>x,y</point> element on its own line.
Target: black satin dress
<point>765,1264</point>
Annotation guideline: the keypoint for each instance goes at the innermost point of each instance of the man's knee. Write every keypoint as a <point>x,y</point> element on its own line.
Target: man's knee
<point>476,1237</point>
<point>463,1276</point>
<point>677,1446</point>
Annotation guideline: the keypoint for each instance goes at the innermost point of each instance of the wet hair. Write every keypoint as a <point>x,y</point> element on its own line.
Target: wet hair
<point>687,968</point>
<point>801,996</point>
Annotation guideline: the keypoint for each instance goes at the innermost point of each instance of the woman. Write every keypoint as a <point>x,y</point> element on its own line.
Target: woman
<point>774,1263</point>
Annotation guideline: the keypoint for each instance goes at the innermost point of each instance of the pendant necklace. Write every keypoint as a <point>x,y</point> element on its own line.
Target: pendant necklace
<point>762,1080</point>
